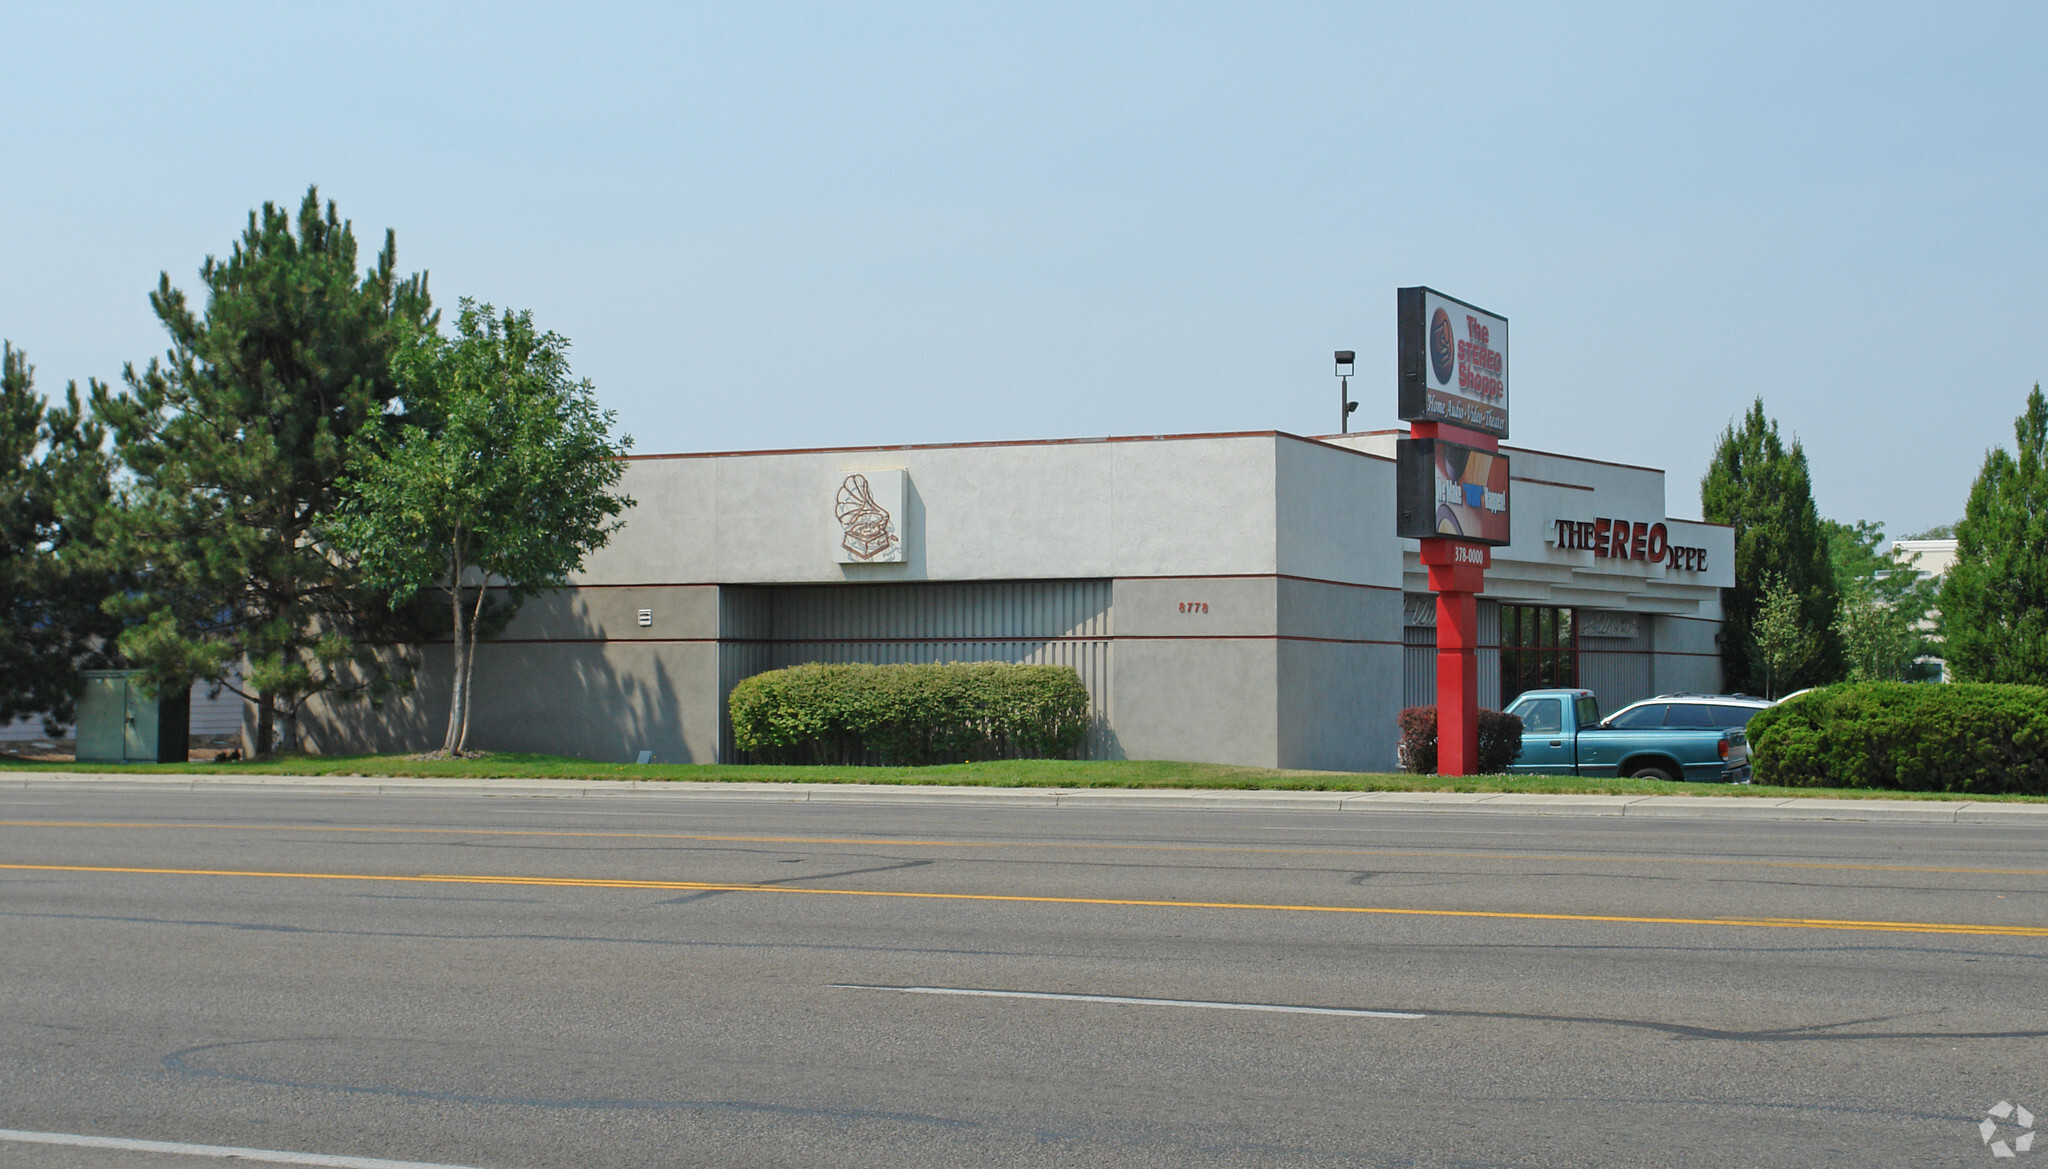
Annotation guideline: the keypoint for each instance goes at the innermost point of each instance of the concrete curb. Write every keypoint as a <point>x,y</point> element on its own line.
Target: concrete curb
<point>1752,808</point>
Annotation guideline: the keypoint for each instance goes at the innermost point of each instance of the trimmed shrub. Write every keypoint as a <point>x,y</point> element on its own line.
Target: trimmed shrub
<point>1418,739</point>
<point>1982,738</point>
<point>910,715</point>
<point>1500,740</point>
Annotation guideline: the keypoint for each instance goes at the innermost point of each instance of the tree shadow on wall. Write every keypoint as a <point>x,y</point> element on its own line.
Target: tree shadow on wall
<point>570,693</point>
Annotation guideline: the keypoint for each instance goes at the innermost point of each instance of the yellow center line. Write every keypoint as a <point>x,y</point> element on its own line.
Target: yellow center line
<point>1906,927</point>
<point>883,842</point>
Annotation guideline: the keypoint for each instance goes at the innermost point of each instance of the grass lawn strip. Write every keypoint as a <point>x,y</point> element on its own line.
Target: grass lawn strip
<point>1060,773</point>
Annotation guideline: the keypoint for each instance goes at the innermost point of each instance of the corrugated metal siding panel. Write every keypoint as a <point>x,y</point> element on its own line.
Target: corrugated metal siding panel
<point>1618,678</point>
<point>996,610</point>
<point>1487,657</point>
<point>743,612</point>
<point>1418,666</point>
<point>216,714</point>
<point>743,649</point>
<point>1616,668</point>
<point>22,731</point>
<point>1060,623</point>
<point>1418,660</point>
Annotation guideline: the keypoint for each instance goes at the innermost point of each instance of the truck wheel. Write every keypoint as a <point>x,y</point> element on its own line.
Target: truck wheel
<point>1652,772</point>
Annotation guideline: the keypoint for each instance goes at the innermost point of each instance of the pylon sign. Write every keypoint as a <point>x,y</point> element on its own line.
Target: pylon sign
<point>1443,488</point>
<point>1454,363</point>
<point>1452,487</point>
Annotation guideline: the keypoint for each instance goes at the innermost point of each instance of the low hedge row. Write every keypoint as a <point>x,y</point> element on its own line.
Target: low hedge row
<point>1984,738</point>
<point>910,715</point>
<point>1500,740</point>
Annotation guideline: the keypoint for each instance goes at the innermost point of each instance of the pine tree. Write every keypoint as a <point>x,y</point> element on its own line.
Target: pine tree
<point>1994,600</point>
<point>1763,490</point>
<point>235,439</point>
<point>54,489</point>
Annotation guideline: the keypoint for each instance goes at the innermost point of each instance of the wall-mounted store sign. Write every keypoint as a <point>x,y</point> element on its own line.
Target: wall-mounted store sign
<point>868,508</point>
<point>1444,489</point>
<point>1454,363</point>
<point>1626,540</point>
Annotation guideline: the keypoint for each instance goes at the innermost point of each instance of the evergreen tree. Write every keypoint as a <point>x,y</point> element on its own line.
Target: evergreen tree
<point>1994,600</point>
<point>500,484</point>
<point>54,488</point>
<point>235,440</point>
<point>1763,490</point>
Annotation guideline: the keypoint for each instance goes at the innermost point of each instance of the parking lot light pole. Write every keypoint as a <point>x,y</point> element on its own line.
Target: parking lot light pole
<point>1344,363</point>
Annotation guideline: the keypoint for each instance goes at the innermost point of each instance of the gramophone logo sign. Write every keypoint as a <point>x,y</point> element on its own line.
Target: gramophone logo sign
<point>1443,347</point>
<point>869,509</point>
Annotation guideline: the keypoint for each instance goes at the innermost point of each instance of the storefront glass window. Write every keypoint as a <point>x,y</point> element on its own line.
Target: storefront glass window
<point>1538,649</point>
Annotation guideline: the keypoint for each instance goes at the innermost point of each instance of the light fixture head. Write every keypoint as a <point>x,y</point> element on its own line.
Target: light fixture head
<point>1345,360</point>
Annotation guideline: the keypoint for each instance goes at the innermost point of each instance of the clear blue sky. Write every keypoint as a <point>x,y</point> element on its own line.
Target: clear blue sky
<point>773,225</point>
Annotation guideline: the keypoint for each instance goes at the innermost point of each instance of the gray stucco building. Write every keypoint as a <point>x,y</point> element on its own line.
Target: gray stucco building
<point>1234,598</point>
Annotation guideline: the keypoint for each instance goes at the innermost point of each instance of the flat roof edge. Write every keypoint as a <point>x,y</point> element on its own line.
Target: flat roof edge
<point>943,446</point>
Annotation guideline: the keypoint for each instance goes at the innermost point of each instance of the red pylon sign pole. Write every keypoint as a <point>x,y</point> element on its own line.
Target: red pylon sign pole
<point>1457,575</point>
<point>1457,582</point>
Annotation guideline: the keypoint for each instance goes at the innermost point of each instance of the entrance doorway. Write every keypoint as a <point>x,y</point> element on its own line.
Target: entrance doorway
<point>1539,650</point>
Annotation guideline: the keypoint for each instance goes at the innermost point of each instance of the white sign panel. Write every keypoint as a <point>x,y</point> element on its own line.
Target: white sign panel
<point>868,512</point>
<point>1454,363</point>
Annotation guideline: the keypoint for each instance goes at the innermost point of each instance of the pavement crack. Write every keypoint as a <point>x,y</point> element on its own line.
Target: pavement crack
<point>687,898</point>
<point>1809,1033</point>
<point>185,1062</point>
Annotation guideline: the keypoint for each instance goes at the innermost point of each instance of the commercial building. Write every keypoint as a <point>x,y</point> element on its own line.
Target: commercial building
<point>1235,598</point>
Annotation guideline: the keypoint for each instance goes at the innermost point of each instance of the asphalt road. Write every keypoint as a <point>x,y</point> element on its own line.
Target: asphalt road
<point>516,984</point>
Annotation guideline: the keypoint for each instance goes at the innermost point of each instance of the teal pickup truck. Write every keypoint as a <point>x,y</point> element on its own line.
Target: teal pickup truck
<point>1672,736</point>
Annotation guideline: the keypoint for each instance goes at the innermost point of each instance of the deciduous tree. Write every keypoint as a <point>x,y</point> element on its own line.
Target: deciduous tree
<point>499,483</point>
<point>1784,642</point>
<point>1882,604</point>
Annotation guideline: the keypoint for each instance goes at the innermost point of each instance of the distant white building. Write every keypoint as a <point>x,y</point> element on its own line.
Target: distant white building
<point>1930,558</point>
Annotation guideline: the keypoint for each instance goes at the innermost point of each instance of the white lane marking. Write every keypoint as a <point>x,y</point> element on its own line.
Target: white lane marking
<point>1348,1012</point>
<point>273,1156</point>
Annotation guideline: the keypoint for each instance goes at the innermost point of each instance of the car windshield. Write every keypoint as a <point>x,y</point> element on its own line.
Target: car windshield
<point>1649,714</point>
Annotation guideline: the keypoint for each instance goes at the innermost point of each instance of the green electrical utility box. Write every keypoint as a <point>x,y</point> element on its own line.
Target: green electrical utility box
<point>118,723</point>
